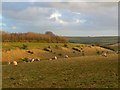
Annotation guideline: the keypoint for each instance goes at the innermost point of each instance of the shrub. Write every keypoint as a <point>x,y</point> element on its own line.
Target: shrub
<point>24,46</point>
<point>65,45</point>
<point>98,52</point>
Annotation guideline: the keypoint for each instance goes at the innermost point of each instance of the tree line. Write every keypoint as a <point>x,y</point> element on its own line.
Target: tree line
<point>48,37</point>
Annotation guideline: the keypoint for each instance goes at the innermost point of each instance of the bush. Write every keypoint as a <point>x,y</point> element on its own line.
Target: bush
<point>65,45</point>
<point>24,46</point>
<point>98,52</point>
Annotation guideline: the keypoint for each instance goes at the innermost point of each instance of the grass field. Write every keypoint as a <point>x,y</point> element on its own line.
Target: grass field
<point>89,71</point>
<point>76,72</point>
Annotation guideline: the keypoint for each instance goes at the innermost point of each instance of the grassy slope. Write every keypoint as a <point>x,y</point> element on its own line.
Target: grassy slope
<point>15,53</point>
<point>79,72</point>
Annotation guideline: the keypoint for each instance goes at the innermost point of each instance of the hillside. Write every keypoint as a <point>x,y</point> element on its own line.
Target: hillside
<point>16,50</point>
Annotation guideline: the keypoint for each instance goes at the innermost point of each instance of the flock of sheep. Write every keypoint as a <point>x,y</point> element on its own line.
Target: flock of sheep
<point>33,60</point>
<point>54,58</point>
<point>15,63</point>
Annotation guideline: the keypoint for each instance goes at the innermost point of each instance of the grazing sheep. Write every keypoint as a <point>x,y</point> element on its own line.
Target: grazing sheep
<point>33,60</point>
<point>29,60</point>
<point>104,54</point>
<point>37,59</point>
<point>15,63</point>
<point>55,57</point>
<point>48,49</point>
<point>66,56</point>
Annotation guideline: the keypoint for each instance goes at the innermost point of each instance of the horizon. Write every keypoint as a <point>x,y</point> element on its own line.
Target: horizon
<point>66,35</point>
<point>62,18</point>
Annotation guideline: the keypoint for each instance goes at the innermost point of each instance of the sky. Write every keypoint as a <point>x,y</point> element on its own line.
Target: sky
<point>62,18</point>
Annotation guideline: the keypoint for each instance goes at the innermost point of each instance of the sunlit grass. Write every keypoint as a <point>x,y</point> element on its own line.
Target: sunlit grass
<point>76,72</point>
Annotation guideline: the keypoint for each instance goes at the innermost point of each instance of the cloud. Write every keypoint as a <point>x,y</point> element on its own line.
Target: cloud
<point>14,27</point>
<point>0,17</point>
<point>2,25</point>
<point>70,16</point>
<point>82,21</point>
<point>76,13</point>
<point>60,1</point>
<point>27,14</point>
<point>56,15</point>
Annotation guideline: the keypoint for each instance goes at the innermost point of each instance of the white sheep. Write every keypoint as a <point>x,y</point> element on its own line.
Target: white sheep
<point>37,59</point>
<point>15,63</point>
<point>104,54</point>
<point>66,56</point>
<point>33,60</point>
<point>55,57</point>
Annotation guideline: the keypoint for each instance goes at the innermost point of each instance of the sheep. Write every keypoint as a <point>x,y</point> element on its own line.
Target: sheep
<point>104,54</point>
<point>66,56</point>
<point>29,60</point>
<point>48,49</point>
<point>15,63</point>
<point>32,60</point>
<point>37,59</point>
<point>55,57</point>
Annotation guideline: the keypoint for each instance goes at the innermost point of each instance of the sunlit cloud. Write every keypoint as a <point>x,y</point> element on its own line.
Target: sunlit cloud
<point>56,16</point>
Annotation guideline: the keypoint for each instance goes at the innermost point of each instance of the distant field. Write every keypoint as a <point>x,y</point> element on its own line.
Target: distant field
<point>95,40</point>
